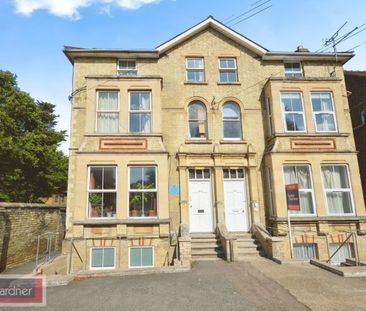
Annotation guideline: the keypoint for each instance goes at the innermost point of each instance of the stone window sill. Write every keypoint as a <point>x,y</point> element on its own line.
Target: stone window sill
<point>198,141</point>
<point>195,83</point>
<point>228,83</point>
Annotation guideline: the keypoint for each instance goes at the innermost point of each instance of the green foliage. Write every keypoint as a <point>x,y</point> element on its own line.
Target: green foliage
<point>31,167</point>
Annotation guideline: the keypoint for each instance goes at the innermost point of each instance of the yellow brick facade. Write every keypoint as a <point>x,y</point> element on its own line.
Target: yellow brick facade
<point>169,148</point>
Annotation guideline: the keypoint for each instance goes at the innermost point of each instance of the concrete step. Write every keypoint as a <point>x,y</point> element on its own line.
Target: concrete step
<point>248,251</point>
<point>206,258</point>
<point>250,256</point>
<point>247,243</point>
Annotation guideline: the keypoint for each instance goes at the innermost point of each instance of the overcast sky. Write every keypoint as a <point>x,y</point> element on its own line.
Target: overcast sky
<point>33,32</point>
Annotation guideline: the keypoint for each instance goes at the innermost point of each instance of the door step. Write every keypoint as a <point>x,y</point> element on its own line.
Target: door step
<point>206,246</point>
<point>248,247</point>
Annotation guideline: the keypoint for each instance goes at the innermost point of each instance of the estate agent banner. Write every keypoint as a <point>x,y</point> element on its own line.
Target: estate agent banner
<point>292,197</point>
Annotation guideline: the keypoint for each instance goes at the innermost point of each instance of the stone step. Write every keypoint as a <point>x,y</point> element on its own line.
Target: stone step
<point>207,252</point>
<point>247,243</point>
<point>203,236</point>
<point>248,251</point>
<point>206,245</point>
<point>195,241</point>
<point>207,259</point>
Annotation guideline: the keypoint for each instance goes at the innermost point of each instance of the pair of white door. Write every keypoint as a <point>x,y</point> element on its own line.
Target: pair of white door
<point>200,202</point>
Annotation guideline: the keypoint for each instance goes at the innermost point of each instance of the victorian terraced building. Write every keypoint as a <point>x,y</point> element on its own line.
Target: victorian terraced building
<point>178,152</point>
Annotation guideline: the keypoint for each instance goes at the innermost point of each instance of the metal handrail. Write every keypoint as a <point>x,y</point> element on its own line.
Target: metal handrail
<point>339,247</point>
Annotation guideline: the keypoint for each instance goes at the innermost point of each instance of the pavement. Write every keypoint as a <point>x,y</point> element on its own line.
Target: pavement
<point>259,284</point>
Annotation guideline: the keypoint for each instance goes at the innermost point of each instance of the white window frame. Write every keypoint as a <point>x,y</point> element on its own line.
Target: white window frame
<point>142,190</point>
<point>101,191</point>
<point>203,173</point>
<point>235,69</point>
<point>127,72</point>
<point>101,268</point>
<point>206,121</point>
<point>141,267</point>
<point>196,69</point>
<point>107,111</point>
<point>284,113</point>
<point>293,214</point>
<point>290,74</point>
<point>139,111</point>
<point>325,190</point>
<point>314,245</point>
<point>321,112</point>
<point>237,120</point>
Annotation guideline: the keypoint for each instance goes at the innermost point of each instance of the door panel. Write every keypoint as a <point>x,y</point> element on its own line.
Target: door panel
<point>200,206</point>
<point>236,213</point>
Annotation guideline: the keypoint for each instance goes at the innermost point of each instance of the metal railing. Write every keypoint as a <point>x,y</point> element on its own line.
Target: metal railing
<point>352,235</point>
<point>47,248</point>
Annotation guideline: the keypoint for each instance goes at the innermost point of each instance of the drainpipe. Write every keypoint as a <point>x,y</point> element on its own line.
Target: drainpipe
<point>363,120</point>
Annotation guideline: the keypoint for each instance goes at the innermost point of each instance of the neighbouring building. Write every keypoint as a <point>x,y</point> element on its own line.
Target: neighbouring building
<point>356,85</point>
<point>194,142</point>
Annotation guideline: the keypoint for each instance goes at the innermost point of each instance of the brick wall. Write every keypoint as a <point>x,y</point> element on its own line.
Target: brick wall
<point>20,224</point>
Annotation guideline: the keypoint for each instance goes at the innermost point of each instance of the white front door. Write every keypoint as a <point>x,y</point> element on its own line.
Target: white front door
<point>200,201</point>
<point>236,209</point>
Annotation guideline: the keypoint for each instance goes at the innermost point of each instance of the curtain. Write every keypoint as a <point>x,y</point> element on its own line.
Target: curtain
<point>108,122</point>
<point>108,101</point>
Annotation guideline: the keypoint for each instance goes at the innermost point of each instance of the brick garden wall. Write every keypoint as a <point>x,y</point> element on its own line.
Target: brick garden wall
<point>20,224</point>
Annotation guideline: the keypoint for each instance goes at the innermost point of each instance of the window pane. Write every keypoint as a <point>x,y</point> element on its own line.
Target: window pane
<point>145,124</point>
<point>136,178</point>
<point>146,257</point>
<point>199,174</point>
<point>96,178</point>
<point>107,122</point>
<point>322,102</point>
<point>339,202</point>
<point>127,64</point>
<point>108,257</point>
<point>233,173</point>
<point>240,173</point>
<point>149,178</point>
<point>195,63</point>
<point>291,101</point>
<point>231,111</point>
<point>109,178</point>
<point>136,204</point>
<point>134,101</point>
<point>335,177</point>
<point>226,173</point>
<point>109,204</point>
<point>306,203</point>
<point>232,129</point>
<point>95,204</point>
<point>191,174</point>
<point>197,111</point>
<point>194,129</point>
<point>135,257</point>
<point>150,206</point>
<point>325,122</point>
<point>107,100</point>
<point>206,173</point>
<point>97,257</point>
<point>304,251</point>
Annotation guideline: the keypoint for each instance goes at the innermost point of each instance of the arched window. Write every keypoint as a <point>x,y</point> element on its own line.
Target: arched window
<point>231,121</point>
<point>197,119</point>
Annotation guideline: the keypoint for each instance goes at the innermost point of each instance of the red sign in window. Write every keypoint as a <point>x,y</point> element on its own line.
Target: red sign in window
<point>292,197</point>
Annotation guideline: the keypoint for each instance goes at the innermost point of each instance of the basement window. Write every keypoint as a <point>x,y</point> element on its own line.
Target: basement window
<point>346,251</point>
<point>102,258</point>
<point>305,250</point>
<point>141,257</point>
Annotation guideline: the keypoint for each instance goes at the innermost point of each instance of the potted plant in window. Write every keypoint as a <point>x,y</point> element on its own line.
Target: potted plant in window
<point>95,201</point>
<point>136,200</point>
